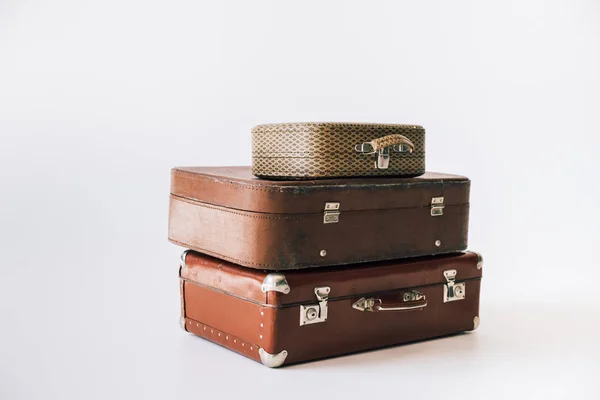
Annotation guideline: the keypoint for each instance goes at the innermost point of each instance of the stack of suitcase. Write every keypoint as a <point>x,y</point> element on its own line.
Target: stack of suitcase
<point>335,241</point>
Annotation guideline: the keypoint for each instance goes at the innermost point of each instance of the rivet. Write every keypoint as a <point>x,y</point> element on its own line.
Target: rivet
<point>251,348</point>
<point>204,328</point>
<point>197,325</point>
<point>260,336</point>
<point>243,344</point>
<point>323,253</point>
<point>262,325</point>
<point>438,243</point>
<point>234,341</point>
<point>190,322</point>
<point>262,313</point>
<point>219,334</point>
<point>226,337</point>
<point>211,331</point>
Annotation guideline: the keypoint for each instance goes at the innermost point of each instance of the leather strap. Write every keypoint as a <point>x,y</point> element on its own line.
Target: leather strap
<point>390,140</point>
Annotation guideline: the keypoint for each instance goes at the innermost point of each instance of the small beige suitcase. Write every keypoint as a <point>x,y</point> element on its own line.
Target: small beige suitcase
<point>332,150</point>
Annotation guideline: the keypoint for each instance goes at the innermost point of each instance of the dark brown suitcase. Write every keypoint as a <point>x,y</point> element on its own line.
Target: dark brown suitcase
<point>303,315</point>
<point>228,213</point>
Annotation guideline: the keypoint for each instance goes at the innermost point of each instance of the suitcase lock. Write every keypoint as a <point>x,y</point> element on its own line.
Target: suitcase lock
<point>315,313</point>
<point>453,291</point>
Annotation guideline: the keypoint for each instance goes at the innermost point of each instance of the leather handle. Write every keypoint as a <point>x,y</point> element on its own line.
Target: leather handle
<point>391,140</point>
<point>379,144</point>
<point>412,300</point>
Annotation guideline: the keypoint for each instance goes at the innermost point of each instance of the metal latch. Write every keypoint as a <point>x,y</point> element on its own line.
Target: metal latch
<point>437,206</point>
<point>453,291</point>
<point>332,213</point>
<point>383,158</point>
<point>383,154</point>
<point>316,313</point>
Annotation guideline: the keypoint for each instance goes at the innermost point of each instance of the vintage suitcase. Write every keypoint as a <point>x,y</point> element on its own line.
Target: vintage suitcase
<point>332,150</point>
<point>285,318</point>
<point>230,214</point>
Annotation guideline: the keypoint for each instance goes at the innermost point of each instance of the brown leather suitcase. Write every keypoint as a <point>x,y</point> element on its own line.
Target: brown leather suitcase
<point>284,318</point>
<point>312,150</point>
<point>228,213</point>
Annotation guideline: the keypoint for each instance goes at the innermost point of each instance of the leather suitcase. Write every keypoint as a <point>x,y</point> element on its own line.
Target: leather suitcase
<point>277,225</point>
<point>284,318</point>
<point>332,150</point>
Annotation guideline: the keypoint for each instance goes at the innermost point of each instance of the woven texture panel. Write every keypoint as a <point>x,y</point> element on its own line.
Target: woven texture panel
<point>323,150</point>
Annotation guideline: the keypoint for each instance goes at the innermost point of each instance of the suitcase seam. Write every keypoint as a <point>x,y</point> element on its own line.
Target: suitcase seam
<point>228,210</point>
<point>297,267</point>
<point>282,188</point>
<point>293,215</point>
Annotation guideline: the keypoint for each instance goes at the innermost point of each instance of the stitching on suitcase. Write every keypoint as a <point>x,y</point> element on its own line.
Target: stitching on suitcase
<point>296,215</point>
<point>280,188</point>
<point>200,204</point>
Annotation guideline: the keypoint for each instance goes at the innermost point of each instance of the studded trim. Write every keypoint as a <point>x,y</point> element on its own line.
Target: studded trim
<point>224,339</point>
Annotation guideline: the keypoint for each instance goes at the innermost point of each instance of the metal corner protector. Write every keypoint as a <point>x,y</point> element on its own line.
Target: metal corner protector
<point>272,360</point>
<point>183,258</point>
<point>275,282</point>
<point>479,259</point>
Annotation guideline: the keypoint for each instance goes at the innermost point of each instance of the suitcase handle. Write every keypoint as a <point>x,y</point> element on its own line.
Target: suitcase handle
<point>397,142</point>
<point>412,300</point>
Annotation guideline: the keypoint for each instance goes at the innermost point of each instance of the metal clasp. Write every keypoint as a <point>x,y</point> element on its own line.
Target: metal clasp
<point>437,206</point>
<point>313,314</point>
<point>383,158</point>
<point>453,291</point>
<point>383,155</point>
<point>331,214</point>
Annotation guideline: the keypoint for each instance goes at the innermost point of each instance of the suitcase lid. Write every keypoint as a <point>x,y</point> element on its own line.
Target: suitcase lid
<point>237,188</point>
<point>292,287</point>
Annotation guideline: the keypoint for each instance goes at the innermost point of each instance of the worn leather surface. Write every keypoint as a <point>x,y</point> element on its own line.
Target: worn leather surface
<point>274,325</point>
<point>261,224</point>
<point>326,149</point>
<point>237,188</point>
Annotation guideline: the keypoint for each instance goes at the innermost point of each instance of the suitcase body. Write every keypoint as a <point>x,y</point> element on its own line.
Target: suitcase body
<point>228,213</point>
<point>332,150</point>
<point>303,315</point>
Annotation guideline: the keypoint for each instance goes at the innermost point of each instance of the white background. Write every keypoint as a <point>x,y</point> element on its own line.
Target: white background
<point>99,99</point>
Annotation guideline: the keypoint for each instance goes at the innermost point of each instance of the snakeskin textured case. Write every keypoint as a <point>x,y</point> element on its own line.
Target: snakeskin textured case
<point>332,150</point>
